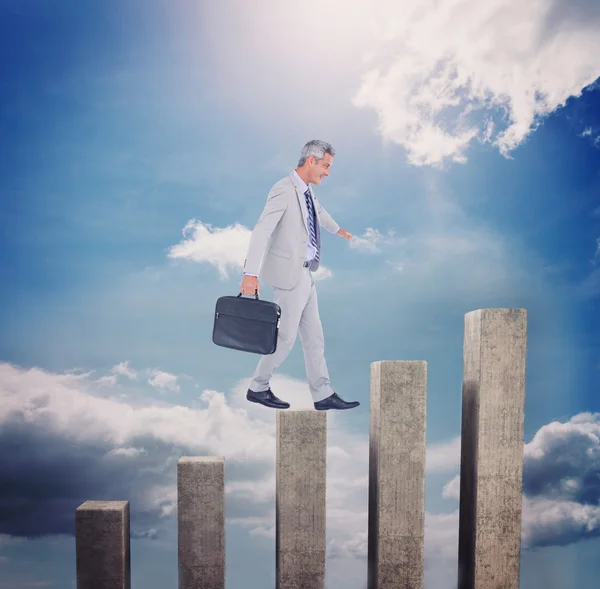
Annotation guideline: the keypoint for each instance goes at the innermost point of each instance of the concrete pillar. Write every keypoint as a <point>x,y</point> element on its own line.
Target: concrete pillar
<point>201,522</point>
<point>300,499</point>
<point>491,464</point>
<point>397,475</point>
<point>102,545</point>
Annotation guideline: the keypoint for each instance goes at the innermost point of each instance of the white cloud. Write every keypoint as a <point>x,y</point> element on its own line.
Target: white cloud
<point>322,273</point>
<point>260,491</point>
<point>443,457</point>
<point>128,452</point>
<point>69,407</point>
<point>224,248</point>
<point>372,238</point>
<point>158,379</point>
<point>441,536</point>
<point>562,461</point>
<point>124,370</point>
<point>162,380</point>
<point>163,497</point>
<point>451,489</point>
<point>151,534</point>
<point>561,485</point>
<point>547,522</point>
<point>109,381</point>
<point>443,73</point>
<point>441,547</point>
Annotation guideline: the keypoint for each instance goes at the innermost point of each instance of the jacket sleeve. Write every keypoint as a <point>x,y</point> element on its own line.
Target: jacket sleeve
<point>276,205</point>
<point>326,220</point>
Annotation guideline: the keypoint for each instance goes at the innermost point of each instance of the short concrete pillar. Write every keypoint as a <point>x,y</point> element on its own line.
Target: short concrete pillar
<point>102,545</point>
<point>397,475</point>
<point>201,522</point>
<point>491,464</point>
<point>300,499</point>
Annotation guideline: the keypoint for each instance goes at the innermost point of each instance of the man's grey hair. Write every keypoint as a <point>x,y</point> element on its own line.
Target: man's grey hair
<point>317,148</point>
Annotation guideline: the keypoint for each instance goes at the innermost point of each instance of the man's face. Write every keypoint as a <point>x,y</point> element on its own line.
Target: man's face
<point>321,168</point>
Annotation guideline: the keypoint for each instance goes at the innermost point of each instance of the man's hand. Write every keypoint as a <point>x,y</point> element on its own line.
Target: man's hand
<point>249,285</point>
<point>346,234</point>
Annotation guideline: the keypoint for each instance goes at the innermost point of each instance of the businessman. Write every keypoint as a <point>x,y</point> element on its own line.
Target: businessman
<point>287,235</point>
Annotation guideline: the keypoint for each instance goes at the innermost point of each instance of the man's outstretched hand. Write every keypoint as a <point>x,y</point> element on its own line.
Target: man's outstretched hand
<point>345,234</point>
<point>249,285</point>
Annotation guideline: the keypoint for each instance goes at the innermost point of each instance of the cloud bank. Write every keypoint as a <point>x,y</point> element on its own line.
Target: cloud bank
<point>70,439</point>
<point>446,73</point>
<point>561,483</point>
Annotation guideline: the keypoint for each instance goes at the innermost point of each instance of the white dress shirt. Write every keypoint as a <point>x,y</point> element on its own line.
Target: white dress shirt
<point>311,250</point>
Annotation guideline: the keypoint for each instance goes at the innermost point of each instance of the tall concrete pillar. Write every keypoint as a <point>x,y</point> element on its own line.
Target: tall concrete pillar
<point>300,499</point>
<point>491,463</point>
<point>397,475</point>
<point>201,522</point>
<point>102,545</point>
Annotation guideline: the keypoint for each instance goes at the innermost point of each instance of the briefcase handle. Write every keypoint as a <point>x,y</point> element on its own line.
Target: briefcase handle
<point>255,293</point>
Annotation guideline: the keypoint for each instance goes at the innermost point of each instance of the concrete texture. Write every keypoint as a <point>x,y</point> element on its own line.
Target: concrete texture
<point>201,522</point>
<point>491,466</point>
<point>397,475</point>
<point>300,499</point>
<point>102,545</point>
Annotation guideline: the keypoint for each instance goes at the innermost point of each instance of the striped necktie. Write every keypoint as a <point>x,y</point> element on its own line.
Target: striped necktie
<point>311,222</point>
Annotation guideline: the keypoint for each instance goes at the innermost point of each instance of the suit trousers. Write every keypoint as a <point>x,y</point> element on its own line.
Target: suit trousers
<point>299,315</point>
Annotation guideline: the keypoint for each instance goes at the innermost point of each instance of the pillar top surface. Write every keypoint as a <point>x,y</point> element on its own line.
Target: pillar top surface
<point>104,505</point>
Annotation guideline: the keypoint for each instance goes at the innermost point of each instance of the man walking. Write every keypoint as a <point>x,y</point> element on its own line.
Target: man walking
<point>287,235</point>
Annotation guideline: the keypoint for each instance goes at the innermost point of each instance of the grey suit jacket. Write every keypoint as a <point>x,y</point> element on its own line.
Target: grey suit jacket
<point>281,234</point>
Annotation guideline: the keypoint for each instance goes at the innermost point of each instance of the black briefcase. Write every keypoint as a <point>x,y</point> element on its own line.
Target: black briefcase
<point>249,325</point>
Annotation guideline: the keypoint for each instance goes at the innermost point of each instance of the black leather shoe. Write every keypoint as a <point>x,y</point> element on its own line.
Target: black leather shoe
<point>335,402</point>
<point>266,398</point>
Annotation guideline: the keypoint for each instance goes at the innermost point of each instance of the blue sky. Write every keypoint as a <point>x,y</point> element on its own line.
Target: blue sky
<point>139,141</point>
